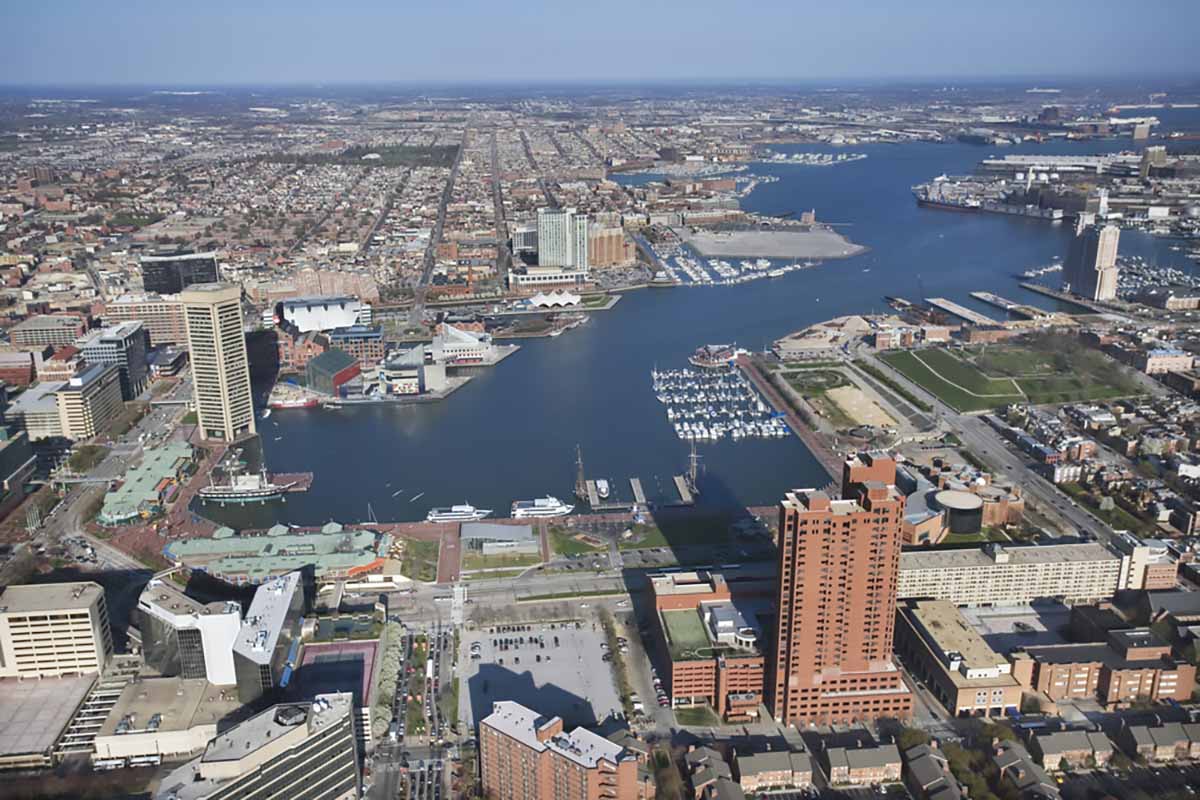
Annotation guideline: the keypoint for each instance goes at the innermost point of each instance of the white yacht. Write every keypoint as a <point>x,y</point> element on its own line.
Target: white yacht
<point>542,507</point>
<point>602,488</point>
<point>459,513</point>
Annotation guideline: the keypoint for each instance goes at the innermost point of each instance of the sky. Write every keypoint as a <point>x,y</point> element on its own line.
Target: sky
<point>256,42</point>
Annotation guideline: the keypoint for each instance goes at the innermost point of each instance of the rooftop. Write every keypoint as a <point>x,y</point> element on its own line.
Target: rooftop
<point>165,595</point>
<point>177,704</point>
<point>141,483</point>
<point>863,757</point>
<point>37,398</point>
<point>950,633</point>
<point>496,532</point>
<point>580,745</point>
<point>1027,554</point>
<point>28,598</point>
<point>262,556</point>
<point>34,713</point>
<point>45,322</point>
<point>265,618</point>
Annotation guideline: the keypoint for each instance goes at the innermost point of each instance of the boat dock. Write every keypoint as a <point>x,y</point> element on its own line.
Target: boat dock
<point>300,481</point>
<point>1064,297</point>
<point>962,312</point>
<point>685,494</point>
<point>639,496</point>
<point>596,504</point>
<point>1022,310</point>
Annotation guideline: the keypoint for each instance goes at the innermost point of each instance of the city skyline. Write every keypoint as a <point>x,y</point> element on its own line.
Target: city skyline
<point>71,44</point>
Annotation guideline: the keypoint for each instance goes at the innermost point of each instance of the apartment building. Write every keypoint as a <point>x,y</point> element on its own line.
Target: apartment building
<point>838,561</point>
<point>526,756</point>
<point>1011,575</point>
<point>54,630</point>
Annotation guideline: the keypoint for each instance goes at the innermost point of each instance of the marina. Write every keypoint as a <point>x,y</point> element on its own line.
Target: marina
<point>711,404</point>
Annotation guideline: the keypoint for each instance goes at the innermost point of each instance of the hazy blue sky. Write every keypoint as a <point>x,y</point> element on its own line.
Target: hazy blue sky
<point>294,41</point>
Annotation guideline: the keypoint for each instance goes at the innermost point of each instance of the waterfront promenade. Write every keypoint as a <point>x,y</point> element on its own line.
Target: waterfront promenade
<point>812,440</point>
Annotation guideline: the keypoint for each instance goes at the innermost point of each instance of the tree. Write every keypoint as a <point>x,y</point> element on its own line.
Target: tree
<point>911,737</point>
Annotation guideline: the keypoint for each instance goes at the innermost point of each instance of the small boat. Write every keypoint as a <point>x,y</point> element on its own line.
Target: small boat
<point>602,488</point>
<point>418,497</point>
<point>266,413</point>
<point>398,491</point>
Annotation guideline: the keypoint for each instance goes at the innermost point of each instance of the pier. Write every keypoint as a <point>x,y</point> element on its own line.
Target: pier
<point>1064,297</point>
<point>812,440</point>
<point>962,312</point>
<point>596,504</point>
<point>1022,310</point>
<point>685,493</point>
<point>639,496</point>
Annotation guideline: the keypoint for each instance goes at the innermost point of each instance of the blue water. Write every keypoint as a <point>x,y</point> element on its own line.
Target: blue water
<point>511,433</point>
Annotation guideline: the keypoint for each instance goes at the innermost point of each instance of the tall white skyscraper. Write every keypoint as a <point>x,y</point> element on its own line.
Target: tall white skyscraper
<point>220,367</point>
<point>562,236</point>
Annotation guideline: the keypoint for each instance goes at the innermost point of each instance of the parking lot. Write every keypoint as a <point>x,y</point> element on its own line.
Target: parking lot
<point>555,667</point>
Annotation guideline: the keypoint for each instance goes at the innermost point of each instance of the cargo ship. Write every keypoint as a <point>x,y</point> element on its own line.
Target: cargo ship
<point>944,194</point>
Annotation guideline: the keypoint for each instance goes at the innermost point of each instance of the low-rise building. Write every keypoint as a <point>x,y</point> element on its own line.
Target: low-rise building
<point>363,342</point>
<point>927,774</point>
<point>712,640</point>
<point>1166,742</point>
<point>1061,750</point>
<point>777,769</point>
<point>1018,768</point>
<point>860,766</point>
<point>958,666</point>
<point>1132,665</point>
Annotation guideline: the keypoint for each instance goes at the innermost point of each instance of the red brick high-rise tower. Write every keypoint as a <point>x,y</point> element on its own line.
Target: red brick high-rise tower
<point>838,565</point>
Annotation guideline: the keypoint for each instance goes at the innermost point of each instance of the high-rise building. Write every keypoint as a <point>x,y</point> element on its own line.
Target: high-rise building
<point>526,756</point>
<point>172,273</point>
<point>838,563</point>
<point>88,402</point>
<point>294,750</point>
<point>562,239</point>
<point>182,636</point>
<point>220,367</point>
<point>125,345</point>
<point>1091,268</point>
<point>162,316</point>
<point>262,651</point>
<point>54,629</point>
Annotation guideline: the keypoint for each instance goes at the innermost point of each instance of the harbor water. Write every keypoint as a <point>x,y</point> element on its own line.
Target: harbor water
<point>511,433</point>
